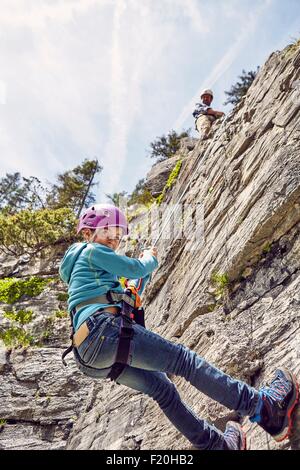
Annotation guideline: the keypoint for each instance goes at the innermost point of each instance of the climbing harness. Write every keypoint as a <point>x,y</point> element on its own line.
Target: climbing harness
<point>132,311</point>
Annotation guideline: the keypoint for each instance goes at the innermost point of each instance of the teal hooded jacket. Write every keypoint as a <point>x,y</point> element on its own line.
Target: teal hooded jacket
<point>92,269</point>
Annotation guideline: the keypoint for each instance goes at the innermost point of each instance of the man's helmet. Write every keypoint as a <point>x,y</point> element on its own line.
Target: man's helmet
<point>207,92</point>
<point>102,215</point>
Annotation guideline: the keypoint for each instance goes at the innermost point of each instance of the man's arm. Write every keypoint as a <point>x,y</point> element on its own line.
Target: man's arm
<point>215,113</point>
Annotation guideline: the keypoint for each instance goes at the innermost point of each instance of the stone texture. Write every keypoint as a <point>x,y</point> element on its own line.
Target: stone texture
<point>39,399</point>
<point>247,177</point>
<point>157,177</point>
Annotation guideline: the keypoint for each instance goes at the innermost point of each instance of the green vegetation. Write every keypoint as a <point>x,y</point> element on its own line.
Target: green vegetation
<point>171,180</point>
<point>116,198</point>
<point>28,232</point>
<point>165,147</point>
<point>15,337</point>
<point>136,233</point>
<point>19,193</point>
<point>48,329</point>
<point>292,48</point>
<point>220,282</point>
<point>73,190</point>
<point>12,289</point>
<point>49,325</point>
<point>162,148</point>
<point>2,423</point>
<point>141,209</point>
<point>23,317</point>
<point>212,307</point>
<point>141,195</point>
<point>61,314</point>
<point>267,247</point>
<point>33,217</point>
<point>173,176</point>
<point>240,88</point>
<point>45,337</point>
<point>62,296</point>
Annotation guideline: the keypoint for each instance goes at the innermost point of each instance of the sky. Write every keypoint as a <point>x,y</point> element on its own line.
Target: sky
<point>105,78</point>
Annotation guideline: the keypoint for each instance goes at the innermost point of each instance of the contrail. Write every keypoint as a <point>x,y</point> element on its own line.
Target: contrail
<point>224,64</point>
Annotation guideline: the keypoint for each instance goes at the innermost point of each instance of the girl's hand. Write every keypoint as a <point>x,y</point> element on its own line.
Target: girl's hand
<point>152,251</point>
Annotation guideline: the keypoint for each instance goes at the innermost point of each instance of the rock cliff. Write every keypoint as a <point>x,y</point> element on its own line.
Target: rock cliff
<point>234,298</point>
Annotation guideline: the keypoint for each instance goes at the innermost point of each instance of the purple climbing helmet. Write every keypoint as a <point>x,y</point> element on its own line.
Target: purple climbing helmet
<point>102,215</point>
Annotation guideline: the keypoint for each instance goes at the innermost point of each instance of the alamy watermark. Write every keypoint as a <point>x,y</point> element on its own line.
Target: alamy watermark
<point>171,222</point>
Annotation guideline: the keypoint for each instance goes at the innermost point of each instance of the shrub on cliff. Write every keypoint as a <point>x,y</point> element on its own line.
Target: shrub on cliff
<point>140,195</point>
<point>13,289</point>
<point>171,180</point>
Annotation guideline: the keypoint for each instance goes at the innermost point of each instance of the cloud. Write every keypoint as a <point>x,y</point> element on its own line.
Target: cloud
<point>119,124</point>
<point>102,78</point>
<point>2,92</point>
<point>196,14</point>
<point>142,32</point>
<point>248,28</point>
<point>36,15</point>
<point>56,93</point>
<point>136,51</point>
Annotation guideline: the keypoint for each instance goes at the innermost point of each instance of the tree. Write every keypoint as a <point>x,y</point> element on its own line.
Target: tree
<point>29,232</point>
<point>165,147</point>
<point>115,197</point>
<point>140,194</point>
<point>18,193</point>
<point>74,188</point>
<point>240,88</point>
<point>33,217</point>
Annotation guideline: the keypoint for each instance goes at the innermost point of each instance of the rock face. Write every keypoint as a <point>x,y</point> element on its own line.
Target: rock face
<point>241,284</point>
<point>156,178</point>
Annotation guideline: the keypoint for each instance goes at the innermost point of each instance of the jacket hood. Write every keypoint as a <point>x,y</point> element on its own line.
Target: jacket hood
<point>69,260</point>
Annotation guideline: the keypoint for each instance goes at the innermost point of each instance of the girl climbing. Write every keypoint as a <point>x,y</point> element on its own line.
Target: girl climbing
<point>141,359</point>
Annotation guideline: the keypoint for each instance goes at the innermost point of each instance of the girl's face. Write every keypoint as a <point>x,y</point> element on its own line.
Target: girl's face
<point>108,236</point>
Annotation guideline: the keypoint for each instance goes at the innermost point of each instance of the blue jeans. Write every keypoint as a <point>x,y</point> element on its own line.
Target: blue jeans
<point>151,357</point>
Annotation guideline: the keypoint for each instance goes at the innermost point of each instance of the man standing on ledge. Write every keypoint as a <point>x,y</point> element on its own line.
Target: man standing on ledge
<point>204,114</point>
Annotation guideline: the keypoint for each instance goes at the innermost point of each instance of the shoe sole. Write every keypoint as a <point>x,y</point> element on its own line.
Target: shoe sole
<point>288,423</point>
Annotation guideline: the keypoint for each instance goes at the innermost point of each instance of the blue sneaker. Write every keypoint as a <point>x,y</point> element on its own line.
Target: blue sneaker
<point>234,437</point>
<point>278,403</point>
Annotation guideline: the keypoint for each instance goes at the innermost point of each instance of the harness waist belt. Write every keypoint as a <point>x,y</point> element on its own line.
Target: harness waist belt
<point>109,298</point>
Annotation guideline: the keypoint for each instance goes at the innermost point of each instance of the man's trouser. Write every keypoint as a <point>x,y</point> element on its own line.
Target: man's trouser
<point>203,125</point>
